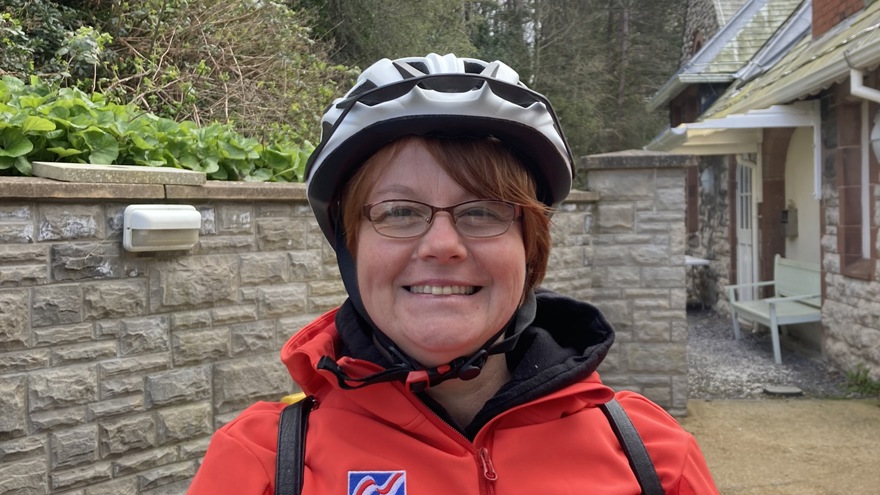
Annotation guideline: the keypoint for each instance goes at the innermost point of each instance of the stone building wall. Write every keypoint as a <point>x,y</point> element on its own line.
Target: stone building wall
<point>701,23</point>
<point>116,367</point>
<point>713,242</point>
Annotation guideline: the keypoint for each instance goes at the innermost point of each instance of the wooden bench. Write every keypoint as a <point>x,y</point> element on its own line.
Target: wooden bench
<point>797,299</point>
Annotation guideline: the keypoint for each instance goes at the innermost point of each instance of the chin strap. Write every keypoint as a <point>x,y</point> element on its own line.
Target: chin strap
<point>418,378</point>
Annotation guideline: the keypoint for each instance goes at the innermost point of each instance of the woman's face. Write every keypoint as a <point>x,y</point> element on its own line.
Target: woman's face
<point>396,277</point>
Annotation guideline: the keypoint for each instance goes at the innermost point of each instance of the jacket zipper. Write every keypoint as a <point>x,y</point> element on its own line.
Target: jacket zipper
<point>488,468</point>
<point>489,474</point>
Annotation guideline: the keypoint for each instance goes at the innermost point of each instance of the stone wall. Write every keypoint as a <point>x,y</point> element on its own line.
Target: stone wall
<point>713,242</point>
<point>116,367</point>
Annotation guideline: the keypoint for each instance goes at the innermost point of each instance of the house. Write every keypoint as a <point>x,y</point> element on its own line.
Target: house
<point>782,103</point>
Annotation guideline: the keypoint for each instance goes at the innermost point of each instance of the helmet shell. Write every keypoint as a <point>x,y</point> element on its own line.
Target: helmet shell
<point>442,96</point>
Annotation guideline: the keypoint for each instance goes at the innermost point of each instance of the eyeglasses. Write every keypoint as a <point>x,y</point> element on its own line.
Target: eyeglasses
<point>404,219</point>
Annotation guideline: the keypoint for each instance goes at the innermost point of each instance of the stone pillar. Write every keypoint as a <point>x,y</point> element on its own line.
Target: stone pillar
<point>638,271</point>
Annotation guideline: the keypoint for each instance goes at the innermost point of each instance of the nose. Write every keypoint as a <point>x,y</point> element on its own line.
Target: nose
<point>442,241</point>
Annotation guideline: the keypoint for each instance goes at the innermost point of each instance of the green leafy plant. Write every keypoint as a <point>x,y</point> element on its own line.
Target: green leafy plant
<point>41,122</point>
<point>860,381</point>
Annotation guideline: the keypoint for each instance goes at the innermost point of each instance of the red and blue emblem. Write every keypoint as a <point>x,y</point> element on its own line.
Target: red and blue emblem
<point>377,483</point>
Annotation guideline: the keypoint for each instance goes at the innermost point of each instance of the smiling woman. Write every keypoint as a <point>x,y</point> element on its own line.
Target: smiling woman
<point>448,369</point>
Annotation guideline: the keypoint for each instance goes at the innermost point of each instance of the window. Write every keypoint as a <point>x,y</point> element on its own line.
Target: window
<point>855,232</point>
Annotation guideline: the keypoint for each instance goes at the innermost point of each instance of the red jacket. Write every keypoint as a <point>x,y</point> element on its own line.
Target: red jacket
<point>385,438</point>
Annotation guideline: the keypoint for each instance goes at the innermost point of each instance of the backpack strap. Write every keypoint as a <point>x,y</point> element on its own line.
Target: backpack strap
<point>290,459</point>
<point>633,447</point>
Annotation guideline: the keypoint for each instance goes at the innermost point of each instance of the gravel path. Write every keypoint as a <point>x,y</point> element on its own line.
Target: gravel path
<point>723,368</point>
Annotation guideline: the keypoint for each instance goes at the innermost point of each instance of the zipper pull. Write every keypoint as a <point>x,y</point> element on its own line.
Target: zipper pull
<point>488,468</point>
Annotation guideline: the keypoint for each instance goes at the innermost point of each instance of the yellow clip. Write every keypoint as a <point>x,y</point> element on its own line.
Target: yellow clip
<point>293,398</point>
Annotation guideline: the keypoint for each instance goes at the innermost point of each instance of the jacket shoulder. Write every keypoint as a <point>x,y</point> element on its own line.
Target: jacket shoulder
<point>677,457</point>
<point>241,456</point>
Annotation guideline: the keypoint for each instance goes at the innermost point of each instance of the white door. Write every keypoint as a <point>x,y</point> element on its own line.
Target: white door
<point>745,231</point>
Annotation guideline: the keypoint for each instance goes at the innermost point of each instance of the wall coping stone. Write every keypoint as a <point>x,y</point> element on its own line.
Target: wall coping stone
<point>121,174</point>
<point>39,188</point>
<point>636,159</point>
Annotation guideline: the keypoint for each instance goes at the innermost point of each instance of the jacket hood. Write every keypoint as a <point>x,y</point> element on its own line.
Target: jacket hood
<point>564,342</point>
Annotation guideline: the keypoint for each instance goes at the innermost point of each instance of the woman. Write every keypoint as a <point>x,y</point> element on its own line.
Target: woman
<point>446,370</point>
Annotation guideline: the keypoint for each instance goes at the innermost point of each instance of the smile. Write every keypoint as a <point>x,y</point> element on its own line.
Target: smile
<point>447,290</point>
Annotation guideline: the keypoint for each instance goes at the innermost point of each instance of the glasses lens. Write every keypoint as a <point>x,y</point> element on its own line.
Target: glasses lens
<point>399,218</point>
<point>483,218</point>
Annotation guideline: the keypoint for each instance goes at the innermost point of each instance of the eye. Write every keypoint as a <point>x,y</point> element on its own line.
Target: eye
<point>397,212</point>
<point>483,213</point>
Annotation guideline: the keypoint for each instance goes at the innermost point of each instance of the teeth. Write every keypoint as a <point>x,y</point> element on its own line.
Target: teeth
<point>447,290</point>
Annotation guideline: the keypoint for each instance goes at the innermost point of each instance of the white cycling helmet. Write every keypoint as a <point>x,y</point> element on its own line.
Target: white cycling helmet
<point>435,95</point>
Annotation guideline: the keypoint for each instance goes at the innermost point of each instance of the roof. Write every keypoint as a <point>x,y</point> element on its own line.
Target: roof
<point>725,9</point>
<point>809,67</point>
<point>732,47</point>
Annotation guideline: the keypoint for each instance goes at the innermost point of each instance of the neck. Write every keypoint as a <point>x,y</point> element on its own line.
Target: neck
<point>464,399</point>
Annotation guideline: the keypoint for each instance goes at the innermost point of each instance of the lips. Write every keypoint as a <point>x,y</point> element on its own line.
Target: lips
<point>445,290</point>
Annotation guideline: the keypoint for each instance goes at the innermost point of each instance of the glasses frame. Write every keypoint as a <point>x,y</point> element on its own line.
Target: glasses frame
<point>517,214</point>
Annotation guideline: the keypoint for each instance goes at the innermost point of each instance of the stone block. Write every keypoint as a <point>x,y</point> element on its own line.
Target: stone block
<point>136,365</point>
<point>200,346</point>
<point>144,335</point>
<point>283,300</point>
<point>235,219</point>
<point>282,234</point>
<point>23,275</point>
<point>24,255</point>
<point>305,265</point>
<point>226,244</point>
<point>116,174</point>
<point>233,314</point>
<point>56,305</point>
<point>16,232</point>
<point>15,324</point>
<point>114,299</point>
<point>90,260</point>
<point>195,449</point>
<point>56,419</point>
<point>124,486</point>
<point>83,353</point>
<point>178,386</point>
<point>74,446</point>
<point>179,424</point>
<point>80,476</point>
<point>166,475</point>
<point>194,282</point>
<point>241,382</point>
<point>69,222</point>
<point>13,407</point>
<point>22,448</point>
<point>263,269</point>
<point>65,334</point>
<point>26,476</point>
<point>655,357</point>
<point>623,185</point>
<point>652,331</point>
<point>190,320</point>
<point>55,388</point>
<point>615,218</point>
<point>114,407</point>
<point>142,461</point>
<point>671,277</point>
<point>253,338</point>
<point>126,435</point>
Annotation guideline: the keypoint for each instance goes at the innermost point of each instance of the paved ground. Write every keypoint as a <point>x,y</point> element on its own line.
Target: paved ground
<point>822,443</point>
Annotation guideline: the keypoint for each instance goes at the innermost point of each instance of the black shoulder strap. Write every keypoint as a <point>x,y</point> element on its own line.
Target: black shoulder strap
<point>634,448</point>
<point>290,458</point>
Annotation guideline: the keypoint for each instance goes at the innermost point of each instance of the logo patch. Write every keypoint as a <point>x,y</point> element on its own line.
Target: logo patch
<point>377,483</point>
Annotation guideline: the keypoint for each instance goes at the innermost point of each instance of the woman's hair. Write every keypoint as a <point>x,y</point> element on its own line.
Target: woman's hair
<point>485,168</point>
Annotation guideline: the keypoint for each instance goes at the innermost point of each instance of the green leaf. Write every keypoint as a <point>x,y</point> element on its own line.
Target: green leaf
<point>64,152</point>
<point>104,147</point>
<point>23,165</point>
<point>14,144</point>
<point>32,124</point>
